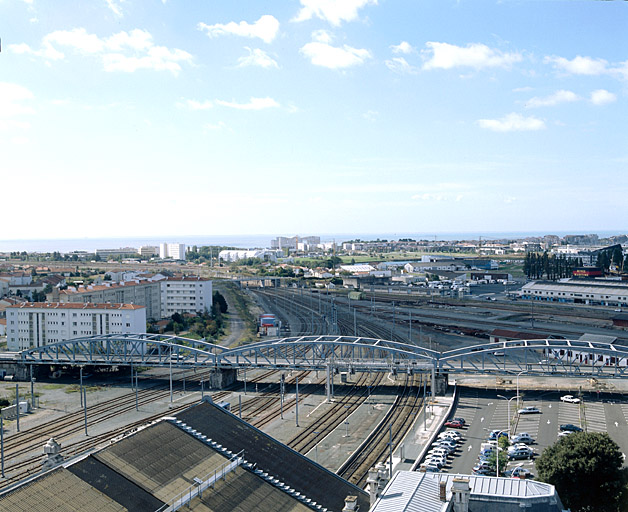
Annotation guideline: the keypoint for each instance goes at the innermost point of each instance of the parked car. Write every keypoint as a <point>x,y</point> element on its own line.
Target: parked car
<point>570,428</point>
<point>435,461</point>
<point>520,452</point>
<point>495,434</point>
<point>519,472</point>
<point>565,433</point>
<point>454,424</point>
<point>451,433</point>
<point>570,399</point>
<point>461,420</point>
<point>522,437</point>
<point>530,409</point>
<point>429,468</point>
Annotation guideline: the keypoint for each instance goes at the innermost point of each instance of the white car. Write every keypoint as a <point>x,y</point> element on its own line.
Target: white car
<point>530,409</point>
<point>570,399</point>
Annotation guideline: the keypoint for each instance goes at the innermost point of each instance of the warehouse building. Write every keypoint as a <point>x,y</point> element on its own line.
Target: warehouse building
<point>204,459</point>
<point>592,292</point>
<point>411,491</point>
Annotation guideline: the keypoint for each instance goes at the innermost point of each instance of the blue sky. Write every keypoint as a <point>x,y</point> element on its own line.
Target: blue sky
<point>142,118</point>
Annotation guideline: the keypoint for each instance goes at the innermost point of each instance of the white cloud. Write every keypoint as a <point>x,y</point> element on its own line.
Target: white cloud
<point>602,97</point>
<point>19,140</point>
<point>401,66</point>
<point>512,123</point>
<point>253,104</point>
<point>402,47</point>
<point>196,105</point>
<point>220,125</point>
<point>428,197</point>
<point>265,28</point>
<point>12,98</point>
<point>13,105</point>
<point>370,115</point>
<point>578,65</point>
<point>115,6</point>
<point>476,55</point>
<point>552,100</point>
<point>322,36</point>
<point>332,11</point>
<point>124,51</point>
<point>257,57</point>
<point>323,54</point>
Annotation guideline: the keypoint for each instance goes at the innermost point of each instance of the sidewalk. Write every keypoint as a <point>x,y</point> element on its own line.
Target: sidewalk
<point>425,428</point>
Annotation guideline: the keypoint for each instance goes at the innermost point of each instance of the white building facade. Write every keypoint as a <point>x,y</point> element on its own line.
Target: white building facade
<point>35,324</point>
<point>185,295</point>
<point>174,251</point>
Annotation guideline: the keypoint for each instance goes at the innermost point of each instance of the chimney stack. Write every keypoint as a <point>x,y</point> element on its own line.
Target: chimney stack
<point>52,451</point>
<point>461,493</point>
<point>351,504</point>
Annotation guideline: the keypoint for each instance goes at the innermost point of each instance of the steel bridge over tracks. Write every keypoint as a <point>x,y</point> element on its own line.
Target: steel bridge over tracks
<point>340,353</point>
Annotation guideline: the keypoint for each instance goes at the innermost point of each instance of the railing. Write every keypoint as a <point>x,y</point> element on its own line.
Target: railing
<point>200,484</point>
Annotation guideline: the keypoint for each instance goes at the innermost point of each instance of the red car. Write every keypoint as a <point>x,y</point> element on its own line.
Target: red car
<point>454,424</point>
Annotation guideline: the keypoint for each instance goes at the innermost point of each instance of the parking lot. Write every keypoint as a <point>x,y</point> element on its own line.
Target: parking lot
<point>485,410</point>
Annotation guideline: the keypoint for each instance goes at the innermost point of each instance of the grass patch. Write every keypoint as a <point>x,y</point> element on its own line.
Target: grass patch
<point>75,388</point>
<point>243,306</point>
<point>51,386</point>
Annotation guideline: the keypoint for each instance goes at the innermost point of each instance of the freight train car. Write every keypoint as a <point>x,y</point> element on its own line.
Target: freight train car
<point>269,325</point>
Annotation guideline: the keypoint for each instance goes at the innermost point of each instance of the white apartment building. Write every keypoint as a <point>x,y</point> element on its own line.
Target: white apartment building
<point>35,324</point>
<point>143,293</point>
<point>185,295</point>
<point>174,251</point>
<point>148,251</point>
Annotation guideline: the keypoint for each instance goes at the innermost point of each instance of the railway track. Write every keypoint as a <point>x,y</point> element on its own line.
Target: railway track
<point>22,450</point>
<point>392,429</point>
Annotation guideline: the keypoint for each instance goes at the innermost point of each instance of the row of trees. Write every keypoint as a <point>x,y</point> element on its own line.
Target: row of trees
<point>612,256</point>
<point>537,265</point>
<point>207,325</point>
<point>586,469</point>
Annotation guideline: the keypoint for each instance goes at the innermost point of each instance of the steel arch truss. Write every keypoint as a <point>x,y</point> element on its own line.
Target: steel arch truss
<point>540,357</point>
<point>319,352</point>
<point>126,349</point>
<point>535,357</point>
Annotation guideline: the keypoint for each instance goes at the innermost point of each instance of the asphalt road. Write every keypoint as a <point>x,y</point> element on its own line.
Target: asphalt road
<point>485,411</point>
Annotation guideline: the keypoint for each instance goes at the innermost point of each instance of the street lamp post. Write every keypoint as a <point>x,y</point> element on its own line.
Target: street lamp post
<point>520,373</point>
<point>509,417</point>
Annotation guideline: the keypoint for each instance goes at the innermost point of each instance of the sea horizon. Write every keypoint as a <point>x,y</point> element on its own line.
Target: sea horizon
<point>251,241</point>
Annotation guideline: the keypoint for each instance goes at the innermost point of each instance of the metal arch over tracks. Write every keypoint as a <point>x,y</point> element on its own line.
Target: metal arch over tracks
<point>126,349</point>
<point>535,357</point>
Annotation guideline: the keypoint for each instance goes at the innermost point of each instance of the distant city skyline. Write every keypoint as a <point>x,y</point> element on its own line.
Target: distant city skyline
<point>257,241</point>
<point>120,117</point>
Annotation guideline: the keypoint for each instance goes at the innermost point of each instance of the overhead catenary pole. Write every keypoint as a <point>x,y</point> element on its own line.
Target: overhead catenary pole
<point>81,384</point>
<point>17,405</point>
<point>85,408</point>
<point>170,376</point>
<point>390,445</point>
<point>2,445</point>
<point>32,388</point>
<point>297,398</point>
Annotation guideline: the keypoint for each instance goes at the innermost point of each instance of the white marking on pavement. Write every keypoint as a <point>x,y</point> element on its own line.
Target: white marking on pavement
<point>548,422</point>
<point>481,419</point>
<point>616,425</point>
<point>470,446</point>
